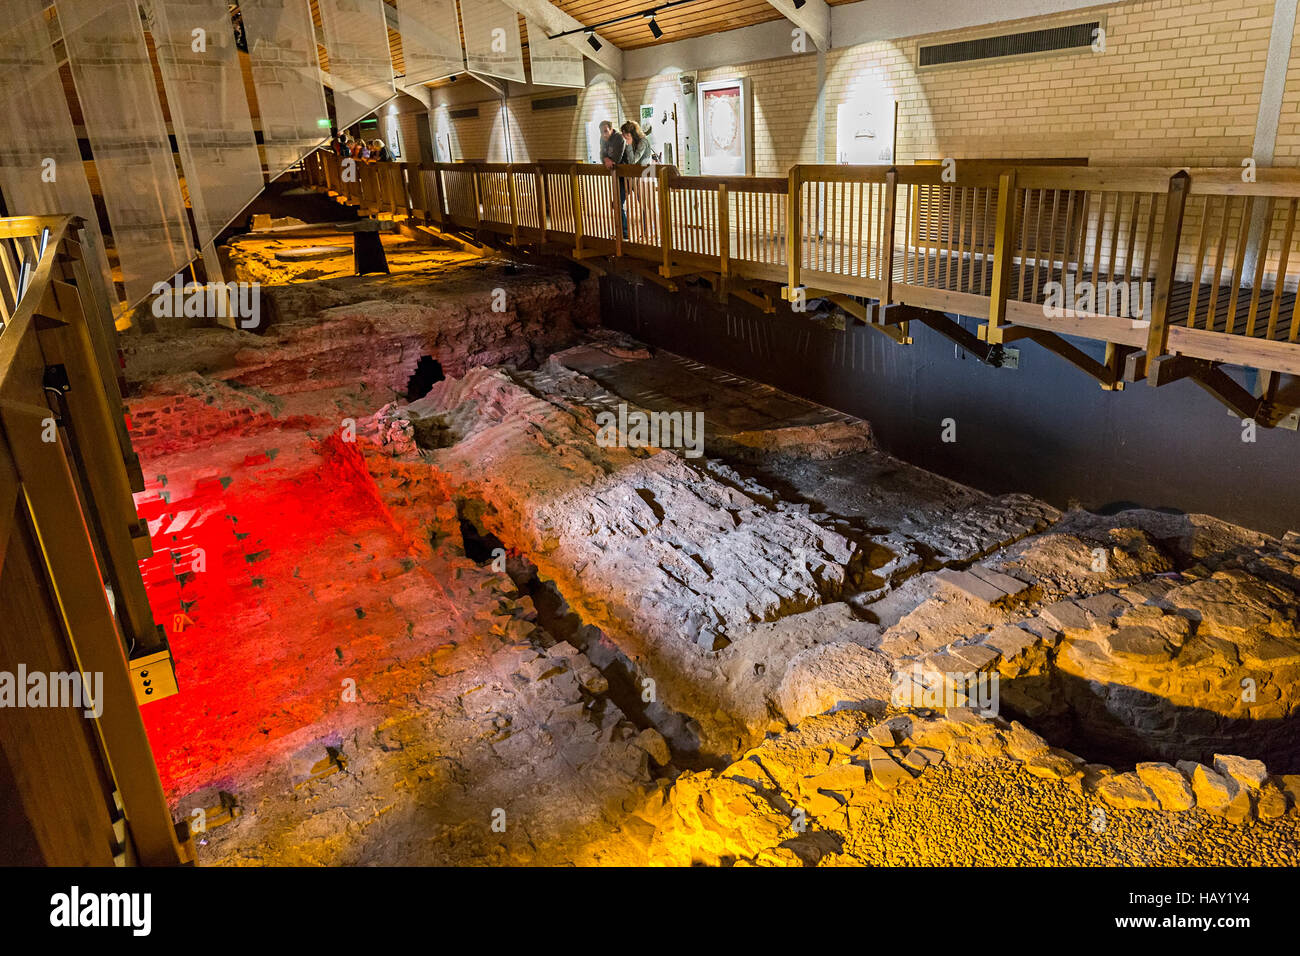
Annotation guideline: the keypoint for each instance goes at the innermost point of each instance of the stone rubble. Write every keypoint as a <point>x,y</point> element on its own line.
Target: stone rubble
<point>773,594</point>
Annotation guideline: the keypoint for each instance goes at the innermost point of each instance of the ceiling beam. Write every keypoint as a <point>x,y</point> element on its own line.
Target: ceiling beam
<point>814,18</point>
<point>555,20</point>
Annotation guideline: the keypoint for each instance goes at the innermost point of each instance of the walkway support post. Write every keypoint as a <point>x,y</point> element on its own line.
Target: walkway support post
<point>1004,248</point>
<point>577,211</point>
<point>1167,264</point>
<point>794,236</point>
<point>887,262</point>
<point>724,234</point>
<point>665,220</point>
<point>539,188</point>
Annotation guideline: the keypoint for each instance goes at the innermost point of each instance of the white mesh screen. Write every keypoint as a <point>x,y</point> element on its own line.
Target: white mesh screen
<point>430,40</point>
<point>286,76</point>
<point>492,44</point>
<point>133,158</point>
<point>553,62</point>
<point>41,172</point>
<point>360,66</point>
<point>209,110</point>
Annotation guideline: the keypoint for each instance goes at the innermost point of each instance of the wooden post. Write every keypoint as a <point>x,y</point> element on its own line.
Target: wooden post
<point>724,233</point>
<point>60,526</point>
<point>543,210</point>
<point>1166,265</point>
<point>665,221</point>
<point>66,341</point>
<point>794,231</point>
<point>439,210</point>
<point>478,198</point>
<point>514,205</point>
<point>577,211</point>
<point>620,210</point>
<point>887,262</point>
<point>1004,246</point>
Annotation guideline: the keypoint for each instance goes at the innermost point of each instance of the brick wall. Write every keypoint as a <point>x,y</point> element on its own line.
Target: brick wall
<point>1179,82</point>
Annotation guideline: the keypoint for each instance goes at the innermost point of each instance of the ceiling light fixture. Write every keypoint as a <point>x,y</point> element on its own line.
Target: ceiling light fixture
<point>649,14</point>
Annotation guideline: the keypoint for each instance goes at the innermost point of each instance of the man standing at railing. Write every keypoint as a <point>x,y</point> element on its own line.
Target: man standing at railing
<point>613,152</point>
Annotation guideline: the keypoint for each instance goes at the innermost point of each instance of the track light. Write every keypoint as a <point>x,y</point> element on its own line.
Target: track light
<point>591,39</point>
<point>655,29</point>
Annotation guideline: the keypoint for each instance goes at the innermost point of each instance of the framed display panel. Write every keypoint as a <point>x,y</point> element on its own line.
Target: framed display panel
<point>725,129</point>
<point>865,129</point>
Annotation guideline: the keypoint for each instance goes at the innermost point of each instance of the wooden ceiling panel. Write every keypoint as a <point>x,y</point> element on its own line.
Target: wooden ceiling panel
<point>679,23</point>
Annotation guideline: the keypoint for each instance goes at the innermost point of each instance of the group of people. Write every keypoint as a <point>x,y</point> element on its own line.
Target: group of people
<point>627,146</point>
<point>344,144</point>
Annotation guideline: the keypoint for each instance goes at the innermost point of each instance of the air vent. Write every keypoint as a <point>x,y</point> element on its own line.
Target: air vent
<point>468,112</point>
<point>1075,37</point>
<point>556,102</point>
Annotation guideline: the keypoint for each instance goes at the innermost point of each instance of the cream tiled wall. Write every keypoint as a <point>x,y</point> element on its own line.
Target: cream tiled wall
<point>1178,83</point>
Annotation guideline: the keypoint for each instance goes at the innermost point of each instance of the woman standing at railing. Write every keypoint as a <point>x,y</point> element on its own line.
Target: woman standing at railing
<point>637,152</point>
<point>638,144</point>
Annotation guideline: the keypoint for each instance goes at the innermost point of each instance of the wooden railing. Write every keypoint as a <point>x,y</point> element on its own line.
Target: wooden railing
<point>70,584</point>
<point>1166,252</point>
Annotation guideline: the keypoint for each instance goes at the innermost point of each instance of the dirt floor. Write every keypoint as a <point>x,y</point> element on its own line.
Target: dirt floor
<point>456,617</point>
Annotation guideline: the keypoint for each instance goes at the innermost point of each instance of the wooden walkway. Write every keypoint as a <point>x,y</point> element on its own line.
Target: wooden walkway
<point>1189,269</point>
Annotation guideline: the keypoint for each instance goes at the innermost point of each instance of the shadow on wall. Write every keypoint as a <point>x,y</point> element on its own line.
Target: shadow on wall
<point>1044,428</point>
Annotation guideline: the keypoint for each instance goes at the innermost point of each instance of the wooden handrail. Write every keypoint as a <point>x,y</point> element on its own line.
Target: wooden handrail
<point>67,524</point>
<point>982,238</point>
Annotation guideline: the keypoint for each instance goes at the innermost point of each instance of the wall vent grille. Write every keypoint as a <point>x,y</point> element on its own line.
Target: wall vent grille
<point>1070,38</point>
<point>556,102</point>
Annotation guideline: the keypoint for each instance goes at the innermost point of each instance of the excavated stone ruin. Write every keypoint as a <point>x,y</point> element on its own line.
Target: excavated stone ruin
<point>644,654</point>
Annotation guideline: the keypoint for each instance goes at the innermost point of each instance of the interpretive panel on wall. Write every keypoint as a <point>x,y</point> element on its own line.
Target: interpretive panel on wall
<point>864,130</point>
<point>724,128</point>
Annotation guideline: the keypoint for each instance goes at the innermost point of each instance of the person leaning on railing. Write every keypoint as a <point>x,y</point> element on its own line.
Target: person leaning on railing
<point>637,150</point>
<point>613,152</point>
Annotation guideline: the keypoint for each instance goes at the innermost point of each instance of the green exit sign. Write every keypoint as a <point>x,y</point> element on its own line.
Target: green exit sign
<point>323,123</point>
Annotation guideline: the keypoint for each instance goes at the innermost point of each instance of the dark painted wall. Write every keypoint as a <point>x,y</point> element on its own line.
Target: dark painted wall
<point>1045,428</point>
